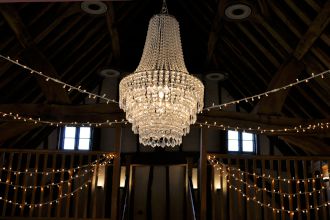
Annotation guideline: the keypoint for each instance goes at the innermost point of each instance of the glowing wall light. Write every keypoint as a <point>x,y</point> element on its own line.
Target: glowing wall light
<point>122,177</point>
<point>195,178</point>
<point>101,176</point>
<point>217,179</point>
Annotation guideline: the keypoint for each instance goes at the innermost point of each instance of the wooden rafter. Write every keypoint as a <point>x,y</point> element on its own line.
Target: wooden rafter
<point>215,31</point>
<point>287,73</point>
<point>312,145</point>
<point>314,31</point>
<point>292,68</point>
<point>111,24</point>
<point>34,57</point>
<point>103,112</point>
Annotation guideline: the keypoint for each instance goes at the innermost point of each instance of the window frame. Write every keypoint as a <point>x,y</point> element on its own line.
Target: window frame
<point>76,138</point>
<point>240,143</point>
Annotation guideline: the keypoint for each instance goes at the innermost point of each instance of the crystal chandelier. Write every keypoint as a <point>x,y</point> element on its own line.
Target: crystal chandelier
<point>160,98</point>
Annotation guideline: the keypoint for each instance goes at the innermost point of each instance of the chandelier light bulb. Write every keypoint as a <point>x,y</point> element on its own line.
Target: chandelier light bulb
<point>160,98</point>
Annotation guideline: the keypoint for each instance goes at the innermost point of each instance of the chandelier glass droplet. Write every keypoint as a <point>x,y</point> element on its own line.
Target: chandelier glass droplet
<point>160,98</point>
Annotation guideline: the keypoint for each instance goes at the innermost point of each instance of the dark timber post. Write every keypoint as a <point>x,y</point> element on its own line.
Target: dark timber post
<point>116,174</point>
<point>203,174</point>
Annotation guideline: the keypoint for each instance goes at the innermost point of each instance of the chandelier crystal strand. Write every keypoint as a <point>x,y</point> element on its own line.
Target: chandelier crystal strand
<point>160,98</point>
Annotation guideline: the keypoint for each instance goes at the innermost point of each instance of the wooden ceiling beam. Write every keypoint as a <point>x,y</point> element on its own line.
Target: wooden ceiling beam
<point>264,8</point>
<point>241,50</point>
<point>313,4</point>
<point>69,26</point>
<point>290,70</point>
<point>12,129</point>
<point>216,27</point>
<point>53,92</point>
<point>63,14</point>
<point>260,47</point>
<point>313,66</point>
<point>103,112</point>
<point>113,32</point>
<point>313,145</point>
<point>287,73</point>
<point>305,18</point>
<point>322,56</point>
<point>81,70</point>
<point>318,106</point>
<point>274,33</point>
<point>314,31</point>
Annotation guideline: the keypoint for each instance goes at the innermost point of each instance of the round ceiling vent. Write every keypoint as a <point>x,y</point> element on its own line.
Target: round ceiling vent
<point>217,76</point>
<point>238,11</point>
<point>109,73</point>
<point>94,8</point>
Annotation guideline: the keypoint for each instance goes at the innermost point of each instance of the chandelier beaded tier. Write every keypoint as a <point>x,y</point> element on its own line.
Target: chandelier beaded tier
<point>160,98</point>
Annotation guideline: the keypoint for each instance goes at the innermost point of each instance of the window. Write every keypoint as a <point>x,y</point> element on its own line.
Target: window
<point>76,138</point>
<point>241,142</point>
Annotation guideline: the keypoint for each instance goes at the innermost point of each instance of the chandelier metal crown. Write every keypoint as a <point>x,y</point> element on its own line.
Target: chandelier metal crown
<point>160,98</point>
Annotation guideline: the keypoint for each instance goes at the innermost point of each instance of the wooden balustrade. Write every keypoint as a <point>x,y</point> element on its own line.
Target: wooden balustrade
<point>251,189</point>
<point>43,184</point>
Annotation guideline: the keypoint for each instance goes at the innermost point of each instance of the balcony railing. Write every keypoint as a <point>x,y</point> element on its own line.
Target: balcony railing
<point>55,184</point>
<point>255,187</point>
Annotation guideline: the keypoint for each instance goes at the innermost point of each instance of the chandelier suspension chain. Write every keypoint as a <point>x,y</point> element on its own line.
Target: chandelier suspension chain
<point>164,8</point>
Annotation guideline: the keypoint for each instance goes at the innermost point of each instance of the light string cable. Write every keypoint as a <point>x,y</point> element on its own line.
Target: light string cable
<point>54,184</point>
<point>268,205</point>
<point>296,128</point>
<point>64,85</point>
<point>60,123</point>
<point>105,158</point>
<point>215,163</point>
<point>264,189</point>
<point>51,202</point>
<point>275,209</point>
<point>265,94</point>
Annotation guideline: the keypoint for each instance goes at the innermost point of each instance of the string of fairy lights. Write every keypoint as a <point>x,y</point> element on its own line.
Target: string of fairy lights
<point>51,202</point>
<point>267,93</point>
<point>53,184</point>
<point>275,209</point>
<point>66,86</point>
<point>235,180</point>
<point>220,106</point>
<point>72,176</point>
<point>238,174</point>
<point>105,160</point>
<point>296,128</point>
<point>18,117</point>
<point>216,163</point>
